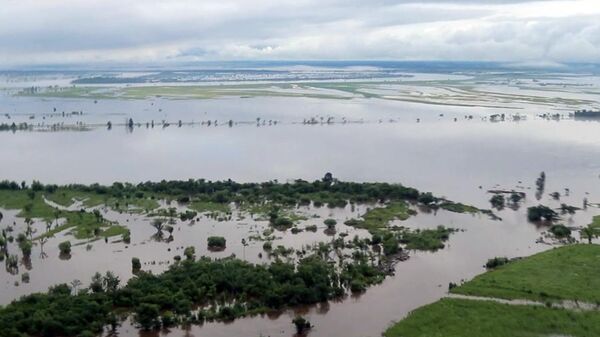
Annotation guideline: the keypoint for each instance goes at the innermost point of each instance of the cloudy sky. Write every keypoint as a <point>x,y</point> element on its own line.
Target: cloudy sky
<point>36,32</point>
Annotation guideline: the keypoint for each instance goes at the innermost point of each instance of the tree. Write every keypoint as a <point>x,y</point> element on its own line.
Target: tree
<point>216,242</point>
<point>301,324</point>
<point>136,265</point>
<point>190,252</point>
<point>497,201</point>
<point>26,246</point>
<point>98,216</point>
<point>330,223</point>
<point>65,248</point>
<point>159,224</point>
<point>75,284</point>
<point>96,285</point>
<point>541,212</point>
<point>590,232</point>
<point>110,282</point>
<point>147,316</point>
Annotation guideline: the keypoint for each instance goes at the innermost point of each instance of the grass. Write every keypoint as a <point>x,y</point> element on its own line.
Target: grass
<point>566,273</point>
<point>379,218</point>
<point>209,207</point>
<point>425,239</point>
<point>458,207</point>
<point>66,197</point>
<point>83,225</point>
<point>471,318</point>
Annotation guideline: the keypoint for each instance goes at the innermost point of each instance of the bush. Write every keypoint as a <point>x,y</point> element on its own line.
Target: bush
<point>390,246</point>
<point>190,252</point>
<point>65,248</point>
<point>127,237</point>
<point>560,231</point>
<point>26,248</point>
<point>330,223</point>
<point>496,262</point>
<point>136,265</point>
<point>146,316</point>
<point>311,228</point>
<point>216,242</point>
<point>301,324</point>
<point>497,201</point>
<point>541,212</point>
<point>267,246</point>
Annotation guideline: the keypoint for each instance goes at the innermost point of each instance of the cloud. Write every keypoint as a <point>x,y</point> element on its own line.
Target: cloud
<point>36,32</point>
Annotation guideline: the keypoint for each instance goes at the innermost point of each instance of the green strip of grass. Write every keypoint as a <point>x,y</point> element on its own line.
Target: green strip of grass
<point>379,218</point>
<point>471,318</point>
<point>566,273</point>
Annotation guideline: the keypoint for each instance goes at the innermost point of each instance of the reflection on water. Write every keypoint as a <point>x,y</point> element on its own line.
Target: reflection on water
<point>460,160</point>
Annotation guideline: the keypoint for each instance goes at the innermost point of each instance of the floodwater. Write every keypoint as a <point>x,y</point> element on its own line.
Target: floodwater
<point>380,141</point>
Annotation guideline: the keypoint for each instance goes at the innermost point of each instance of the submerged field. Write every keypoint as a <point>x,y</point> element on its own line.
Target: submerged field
<point>478,140</point>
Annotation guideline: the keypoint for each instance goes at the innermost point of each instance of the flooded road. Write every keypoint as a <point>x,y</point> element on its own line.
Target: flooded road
<point>459,159</point>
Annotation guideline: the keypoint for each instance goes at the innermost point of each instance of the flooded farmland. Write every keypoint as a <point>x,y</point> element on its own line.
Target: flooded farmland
<point>456,152</point>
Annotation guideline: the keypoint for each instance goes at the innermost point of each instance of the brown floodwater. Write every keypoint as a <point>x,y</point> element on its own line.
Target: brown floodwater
<point>460,160</point>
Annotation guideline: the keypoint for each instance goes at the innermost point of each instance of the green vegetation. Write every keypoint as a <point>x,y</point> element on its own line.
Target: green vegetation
<point>498,201</point>
<point>566,273</point>
<point>457,207</point>
<point>592,230</point>
<point>65,248</point>
<point>560,231</point>
<point>301,324</point>
<point>425,239</point>
<point>209,207</point>
<point>136,265</point>
<point>379,218</point>
<point>216,243</point>
<point>470,318</point>
<point>496,262</point>
<point>30,201</point>
<point>541,213</point>
<point>163,300</point>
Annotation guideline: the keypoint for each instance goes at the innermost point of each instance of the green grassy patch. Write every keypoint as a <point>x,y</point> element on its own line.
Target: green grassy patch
<point>458,207</point>
<point>566,273</point>
<point>425,239</point>
<point>471,318</point>
<point>209,207</point>
<point>379,218</point>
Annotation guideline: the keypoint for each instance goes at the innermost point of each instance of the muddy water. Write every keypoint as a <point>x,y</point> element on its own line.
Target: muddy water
<point>460,160</point>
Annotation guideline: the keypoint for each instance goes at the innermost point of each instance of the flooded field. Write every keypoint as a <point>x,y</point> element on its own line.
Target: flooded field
<point>456,152</point>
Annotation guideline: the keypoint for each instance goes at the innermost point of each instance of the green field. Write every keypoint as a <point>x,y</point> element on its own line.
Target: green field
<point>566,273</point>
<point>451,317</point>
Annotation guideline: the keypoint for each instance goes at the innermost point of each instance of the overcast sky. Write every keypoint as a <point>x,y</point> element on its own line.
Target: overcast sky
<point>151,31</point>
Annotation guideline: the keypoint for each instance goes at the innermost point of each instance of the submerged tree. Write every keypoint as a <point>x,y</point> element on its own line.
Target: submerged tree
<point>590,232</point>
<point>302,325</point>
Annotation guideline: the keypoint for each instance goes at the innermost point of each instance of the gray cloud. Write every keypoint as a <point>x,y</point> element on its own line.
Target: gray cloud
<point>156,31</point>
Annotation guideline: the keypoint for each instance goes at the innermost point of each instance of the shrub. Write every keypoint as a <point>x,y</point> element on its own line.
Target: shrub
<point>497,201</point>
<point>301,324</point>
<point>330,223</point>
<point>136,265</point>
<point>190,252</point>
<point>496,262</point>
<point>216,242</point>
<point>311,228</point>
<point>146,316</point>
<point>560,231</point>
<point>65,248</point>
<point>390,246</point>
<point>541,212</point>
